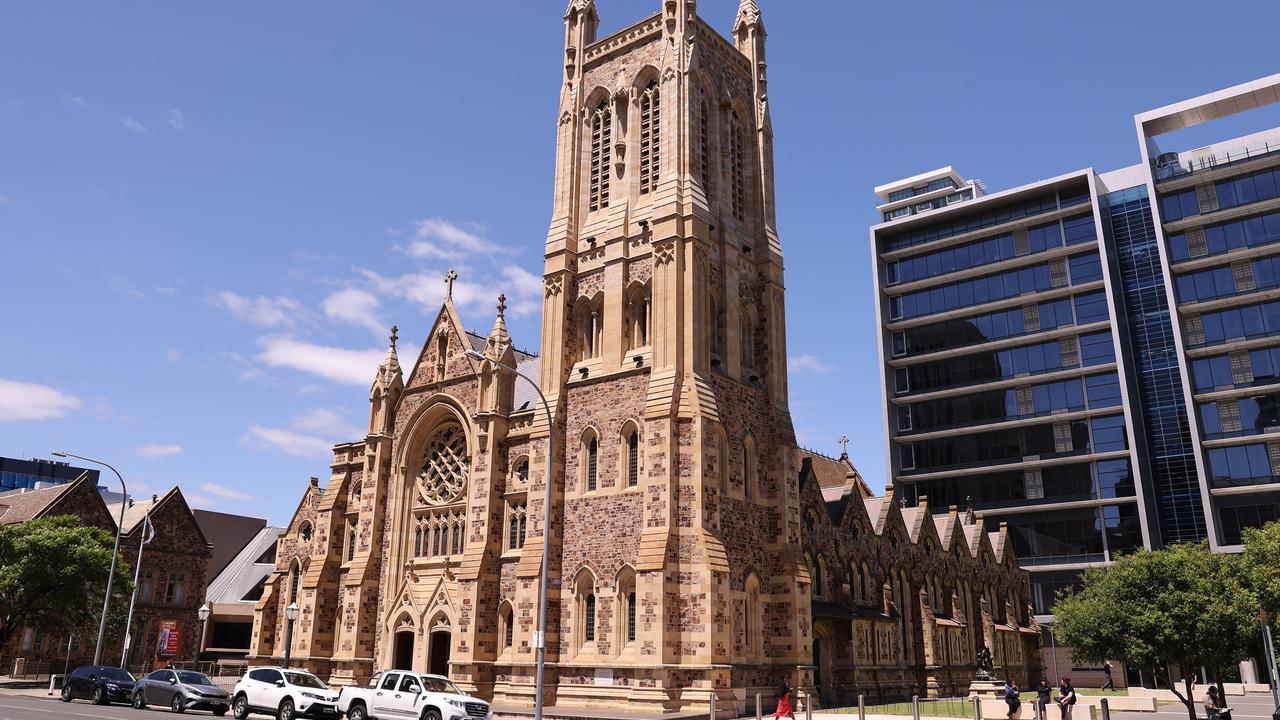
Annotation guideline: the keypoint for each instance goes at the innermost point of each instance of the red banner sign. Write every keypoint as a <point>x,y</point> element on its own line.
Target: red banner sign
<point>170,635</point>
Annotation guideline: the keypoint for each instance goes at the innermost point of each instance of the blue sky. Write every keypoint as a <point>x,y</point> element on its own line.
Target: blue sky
<point>210,213</point>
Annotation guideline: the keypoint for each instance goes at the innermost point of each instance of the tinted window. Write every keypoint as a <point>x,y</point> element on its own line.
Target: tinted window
<point>306,680</point>
<point>193,678</point>
<point>163,675</point>
<point>389,682</point>
<point>1079,229</point>
<point>410,684</point>
<point>1178,205</point>
<point>1091,308</point>
<point>1096,349</point>
<point>116,674</point>
<point>1085,268</point>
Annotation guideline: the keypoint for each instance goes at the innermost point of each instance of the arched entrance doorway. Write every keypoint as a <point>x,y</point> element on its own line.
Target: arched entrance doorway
<point>823,659</point>
<point>438,655</point>
<point>403,656</point>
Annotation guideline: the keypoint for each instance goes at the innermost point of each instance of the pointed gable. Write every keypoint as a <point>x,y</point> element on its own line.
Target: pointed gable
<point>444,353</point>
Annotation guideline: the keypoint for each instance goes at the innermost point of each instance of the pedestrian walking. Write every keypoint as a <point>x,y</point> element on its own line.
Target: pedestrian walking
<point>1011,697</point>
<point>1214,707</point>
<point>1110,684</point>
<point>784,709</point>
<point>1066,698</point>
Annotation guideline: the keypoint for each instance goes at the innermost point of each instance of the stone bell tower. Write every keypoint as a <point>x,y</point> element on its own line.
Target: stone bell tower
<point>664,359</point>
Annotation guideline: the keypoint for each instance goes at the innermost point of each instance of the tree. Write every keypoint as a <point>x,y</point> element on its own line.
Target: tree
<point>1183,606</point>
<point>1262,562</point>
<point>53,574</point>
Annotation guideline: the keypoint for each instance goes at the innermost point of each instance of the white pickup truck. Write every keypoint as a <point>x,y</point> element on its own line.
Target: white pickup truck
<point>404,695</point>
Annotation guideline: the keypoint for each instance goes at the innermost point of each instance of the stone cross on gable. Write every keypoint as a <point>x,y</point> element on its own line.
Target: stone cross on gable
<point>844,445</point>
<point>502,305</point>
<point>449,277</point>
<point>395,334</point>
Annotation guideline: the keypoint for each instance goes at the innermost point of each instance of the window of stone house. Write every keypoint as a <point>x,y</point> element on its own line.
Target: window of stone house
<point>305,532</point>
<point>589,619</point>
<point>146,586</point>
<point>508,627</point>
<point>517,517</point>
<point>175,588</point>
<point>737,168</point>
<point>522,471</point>
<point>633,458</point>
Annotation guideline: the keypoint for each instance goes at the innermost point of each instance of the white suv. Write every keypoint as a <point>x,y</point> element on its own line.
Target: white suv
<point>286,694</point>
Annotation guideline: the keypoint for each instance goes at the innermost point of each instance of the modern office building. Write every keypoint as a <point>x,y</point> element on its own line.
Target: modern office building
<point>36,474</point>
<point>1094,358</point>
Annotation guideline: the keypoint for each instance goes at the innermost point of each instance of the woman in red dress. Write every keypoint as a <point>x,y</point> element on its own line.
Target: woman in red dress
<point>784,702</point>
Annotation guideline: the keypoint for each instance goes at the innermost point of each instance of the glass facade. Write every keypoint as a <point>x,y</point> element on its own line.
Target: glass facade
<point>1129,225</point>
<point>29,474</point>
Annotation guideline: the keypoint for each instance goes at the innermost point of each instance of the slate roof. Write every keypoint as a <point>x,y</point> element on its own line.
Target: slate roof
<point>20,506</point>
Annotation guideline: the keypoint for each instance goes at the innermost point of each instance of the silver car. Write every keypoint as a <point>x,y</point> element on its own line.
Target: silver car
<point>180,691</point>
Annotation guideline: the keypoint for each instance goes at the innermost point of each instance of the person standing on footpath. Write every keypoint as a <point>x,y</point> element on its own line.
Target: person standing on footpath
<point>1066,698</point>
<point>1110,684</point>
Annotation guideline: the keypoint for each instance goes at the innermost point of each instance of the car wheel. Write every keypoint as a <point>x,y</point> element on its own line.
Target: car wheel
<point>431,714</point>
<point>66,693</point>
<point>99,696</point>
<point>286,710</point>
<point>176,704</point>
<point>356,712</point>
<point>139,702</point>
<point>240,708</point>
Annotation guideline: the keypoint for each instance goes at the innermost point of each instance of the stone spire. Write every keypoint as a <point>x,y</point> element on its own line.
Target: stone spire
<point>499,340</point>
<point>748,16</point>
<point>390,366</point>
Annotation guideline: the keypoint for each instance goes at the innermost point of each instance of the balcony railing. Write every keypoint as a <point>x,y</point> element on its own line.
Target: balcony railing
<point>1169,168</point>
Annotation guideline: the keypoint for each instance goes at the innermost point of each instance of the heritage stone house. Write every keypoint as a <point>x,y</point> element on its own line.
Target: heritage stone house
<point>171,585</point>
<point>698,550</point>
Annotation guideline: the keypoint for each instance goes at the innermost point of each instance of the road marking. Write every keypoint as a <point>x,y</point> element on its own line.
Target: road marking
<point>62,712</point>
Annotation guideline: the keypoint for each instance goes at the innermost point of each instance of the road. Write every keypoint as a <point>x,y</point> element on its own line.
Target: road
<point>25,707</point>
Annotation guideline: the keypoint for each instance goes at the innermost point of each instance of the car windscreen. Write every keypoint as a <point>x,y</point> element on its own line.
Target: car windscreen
<point>305,680</point>
<point>114,675</point>
<point>193,678</point>
<point>440,685</point>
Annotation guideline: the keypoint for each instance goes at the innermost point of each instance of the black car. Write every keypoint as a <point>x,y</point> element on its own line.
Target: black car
<point>98,683</point>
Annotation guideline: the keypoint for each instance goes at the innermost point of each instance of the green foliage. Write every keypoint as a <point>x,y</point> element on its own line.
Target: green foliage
<point>1181,606</point>
<point>1262,560</point>
<point>53,573</point>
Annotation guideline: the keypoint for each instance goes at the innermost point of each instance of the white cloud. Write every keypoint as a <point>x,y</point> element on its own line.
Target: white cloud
<point>77,101</point>
<point>177,120</point>
<point>28,401</point>
<point>287,442</point>
<point>263,311</point>
<point>808,363</point>
<point>155,450</point>
<point>354,307</point>
<point>438,238</point>
<point>4,200</point>
<point>223,491</point>
<point>167,291</point>
<point>355,367</point>
<point>200,502</point>
<point>173,354</point>
<point>426,289</point>
<point>133,125</point>
<point>324,422</point>
<point>124,287</point>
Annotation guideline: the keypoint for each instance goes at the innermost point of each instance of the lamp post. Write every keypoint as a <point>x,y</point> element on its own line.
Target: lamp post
<point>203,614</point>
<point>540,636</point>
<point>290,614</point>
<point>111,576</point>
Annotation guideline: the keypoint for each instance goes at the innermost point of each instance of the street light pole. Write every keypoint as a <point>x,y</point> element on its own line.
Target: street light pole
<point>111,576</point>
<point>137,572</point>
<point>540,636</point>
<point>203,614</point>
<point>290,614</point>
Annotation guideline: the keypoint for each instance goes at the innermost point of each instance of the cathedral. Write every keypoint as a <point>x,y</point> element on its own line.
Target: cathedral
<point>696,553</point>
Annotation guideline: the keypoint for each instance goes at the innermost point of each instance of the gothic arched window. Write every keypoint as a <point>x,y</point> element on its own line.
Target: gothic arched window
<point>650,137</point>
<point>751,621</point>
<point>633,456</point>
<point>593,463</point>
<point>748,337</point>
<point>704,142</point>
<point>601,155</point>
<point>507,620</point>
<point>444,465</point>
<point>748,467</point>
<point>638,310</point>
<point>294,576</point>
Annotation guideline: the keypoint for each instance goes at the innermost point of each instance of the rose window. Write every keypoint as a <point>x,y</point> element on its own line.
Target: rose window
<point>444,467</point>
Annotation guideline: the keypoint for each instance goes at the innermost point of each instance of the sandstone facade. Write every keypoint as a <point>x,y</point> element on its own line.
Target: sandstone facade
<point>686,569</point>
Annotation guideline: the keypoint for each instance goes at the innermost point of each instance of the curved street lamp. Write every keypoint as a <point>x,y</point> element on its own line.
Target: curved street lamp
<point>540,636</point>
<point>111,576</point>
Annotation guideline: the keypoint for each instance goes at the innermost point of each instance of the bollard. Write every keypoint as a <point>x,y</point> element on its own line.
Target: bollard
<point>759,709</point>
<point>977,708</point>
<point>915,707</point>
<point>808,706</point>
<point>52,679</point>
<point>713,705</point>
<point>862,707</point>
<point>1106,710</point>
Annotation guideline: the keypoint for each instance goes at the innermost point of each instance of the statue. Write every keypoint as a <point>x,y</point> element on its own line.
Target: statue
<point>985,665</point>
